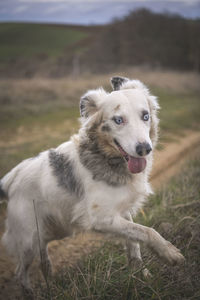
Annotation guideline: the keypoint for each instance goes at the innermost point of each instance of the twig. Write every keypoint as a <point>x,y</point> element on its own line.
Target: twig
<point>187,205</point>
<point>184,219</point>
<point>36,221</point>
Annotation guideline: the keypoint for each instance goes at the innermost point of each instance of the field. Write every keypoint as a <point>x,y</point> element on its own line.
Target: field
<point>40,113</point>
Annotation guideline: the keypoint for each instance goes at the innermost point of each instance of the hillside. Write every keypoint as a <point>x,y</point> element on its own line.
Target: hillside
<point>27,49</point>
<point>29,40</point>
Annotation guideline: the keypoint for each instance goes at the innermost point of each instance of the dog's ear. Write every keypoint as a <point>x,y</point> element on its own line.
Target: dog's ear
<point>87,106</point>
<point>154,107</point>
<point>90,102</point>
<point>123,83</point>
<point>117,81</point>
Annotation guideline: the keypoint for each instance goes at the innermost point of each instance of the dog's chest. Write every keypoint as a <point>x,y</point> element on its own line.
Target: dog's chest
<point>109,199</point>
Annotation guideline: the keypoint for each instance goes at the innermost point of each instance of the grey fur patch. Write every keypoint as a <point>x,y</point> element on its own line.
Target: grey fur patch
<point>107,167</point>
<point>63,169</point>
<point>117,81</point>
<point>2,193</point>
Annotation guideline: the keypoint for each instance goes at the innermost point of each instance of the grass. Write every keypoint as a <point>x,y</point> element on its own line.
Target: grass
<point>105,273</point>
<point>179,111</point>
<point>36,134</point>
<point>30,40</point>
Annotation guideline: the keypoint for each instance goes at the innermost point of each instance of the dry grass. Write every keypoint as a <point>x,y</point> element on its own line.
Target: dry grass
<point>70,89</point>
<point>180,82</point>
<point>40,95</point>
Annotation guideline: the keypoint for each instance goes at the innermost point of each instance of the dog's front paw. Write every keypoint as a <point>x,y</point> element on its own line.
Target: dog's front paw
<point>171,254</point>
<point>165,249</point>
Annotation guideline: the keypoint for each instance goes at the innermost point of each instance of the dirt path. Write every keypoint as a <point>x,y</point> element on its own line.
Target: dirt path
<point>167,162</point>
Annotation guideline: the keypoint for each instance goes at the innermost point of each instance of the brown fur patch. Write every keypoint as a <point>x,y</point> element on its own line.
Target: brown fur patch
<point>99,154</point>
<point>95,206</point>
<point>117,107</point>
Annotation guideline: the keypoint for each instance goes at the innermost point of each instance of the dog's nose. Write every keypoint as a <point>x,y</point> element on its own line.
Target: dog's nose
<point>143,149</point>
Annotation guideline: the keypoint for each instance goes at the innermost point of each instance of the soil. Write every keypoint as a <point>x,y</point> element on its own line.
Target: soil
<point>167,162</point>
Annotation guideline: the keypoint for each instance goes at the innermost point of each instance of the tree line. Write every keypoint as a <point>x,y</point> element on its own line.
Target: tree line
<point>147,38</point>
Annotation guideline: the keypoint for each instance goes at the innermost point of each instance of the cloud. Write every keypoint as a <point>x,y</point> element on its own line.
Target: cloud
<point>55,9</point>
<point>91,4</point>
<point>65,1</point>
<point>189,2</point>
<point>20,9</point>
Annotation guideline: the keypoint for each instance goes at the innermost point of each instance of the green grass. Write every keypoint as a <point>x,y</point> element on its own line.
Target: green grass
<point>105,274</point>
<point>29,40</point>
<point>178,110</point>
<point>47,117</point>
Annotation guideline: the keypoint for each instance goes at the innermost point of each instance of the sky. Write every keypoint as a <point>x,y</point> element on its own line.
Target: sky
<point>88,12</point>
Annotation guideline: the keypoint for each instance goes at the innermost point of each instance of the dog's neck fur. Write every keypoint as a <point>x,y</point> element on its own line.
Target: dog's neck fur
<point>111,169</point>
<point>99,155</point>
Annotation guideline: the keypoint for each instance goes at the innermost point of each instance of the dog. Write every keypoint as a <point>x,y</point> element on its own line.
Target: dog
<point>96,181</point>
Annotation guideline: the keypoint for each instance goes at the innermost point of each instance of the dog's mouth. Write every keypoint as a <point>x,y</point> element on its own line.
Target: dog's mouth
<point>135,164</point>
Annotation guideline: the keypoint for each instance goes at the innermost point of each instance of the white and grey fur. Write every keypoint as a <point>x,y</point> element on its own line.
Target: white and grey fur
<point>84,184</point>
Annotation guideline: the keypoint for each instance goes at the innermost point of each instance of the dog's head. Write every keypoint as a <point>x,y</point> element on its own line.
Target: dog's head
<point>124,122</point>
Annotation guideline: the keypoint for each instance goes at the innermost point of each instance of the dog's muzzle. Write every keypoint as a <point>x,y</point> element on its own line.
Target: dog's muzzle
<point>143,149</point>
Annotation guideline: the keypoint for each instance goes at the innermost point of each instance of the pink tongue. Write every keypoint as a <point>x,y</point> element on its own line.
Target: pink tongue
<point>136,165</point>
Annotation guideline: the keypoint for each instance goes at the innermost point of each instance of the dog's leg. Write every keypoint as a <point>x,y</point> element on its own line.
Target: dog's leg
<point>133,248</point>
<point>135,258</point>
<point>133,252</point>
<point>139,233</point>
<point>22,270</point>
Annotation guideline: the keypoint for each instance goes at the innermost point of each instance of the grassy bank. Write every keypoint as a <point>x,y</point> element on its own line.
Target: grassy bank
<point>174,212</point>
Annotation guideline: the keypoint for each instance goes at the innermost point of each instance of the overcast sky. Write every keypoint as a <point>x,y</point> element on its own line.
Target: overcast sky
<point>89,11</point>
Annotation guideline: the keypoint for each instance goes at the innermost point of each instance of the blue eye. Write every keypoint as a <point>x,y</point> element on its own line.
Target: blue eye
<point>118,120</point>
<point>146,117</point>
